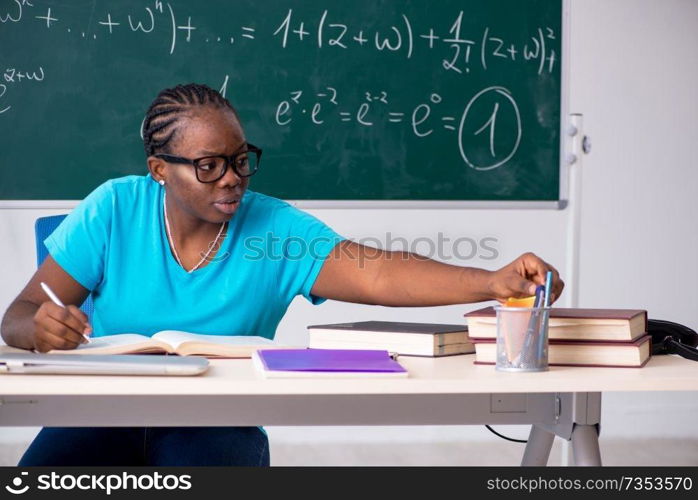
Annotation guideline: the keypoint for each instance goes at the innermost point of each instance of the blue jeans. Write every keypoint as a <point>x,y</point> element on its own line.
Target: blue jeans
<point>148,446</point>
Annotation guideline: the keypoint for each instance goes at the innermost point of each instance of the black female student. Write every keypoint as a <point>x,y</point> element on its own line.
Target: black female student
<point>189,247</point>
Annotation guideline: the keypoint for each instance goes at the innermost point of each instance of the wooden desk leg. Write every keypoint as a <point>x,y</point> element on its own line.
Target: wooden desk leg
<point>585,445</point>
<point>538,447</point>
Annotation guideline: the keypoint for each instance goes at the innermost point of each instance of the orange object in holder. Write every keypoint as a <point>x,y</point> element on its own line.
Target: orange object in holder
<point>522,302</point>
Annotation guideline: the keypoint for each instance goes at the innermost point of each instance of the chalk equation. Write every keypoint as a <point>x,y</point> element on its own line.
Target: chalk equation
<point>401,38</point>
<point>16,76</point>
<point>480,114</point>
<point>472,133</point>
<point>459,49</point>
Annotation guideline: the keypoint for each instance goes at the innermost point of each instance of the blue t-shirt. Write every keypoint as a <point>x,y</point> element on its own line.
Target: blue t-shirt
<point>114,243</point>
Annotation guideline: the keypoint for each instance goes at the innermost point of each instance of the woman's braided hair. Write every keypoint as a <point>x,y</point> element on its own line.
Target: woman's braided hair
<point>160,123</point>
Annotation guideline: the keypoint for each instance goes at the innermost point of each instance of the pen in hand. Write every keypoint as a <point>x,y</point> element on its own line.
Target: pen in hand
<point>57,301</point>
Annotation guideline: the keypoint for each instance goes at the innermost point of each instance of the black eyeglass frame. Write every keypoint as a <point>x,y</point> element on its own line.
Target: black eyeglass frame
<point>229,161</point>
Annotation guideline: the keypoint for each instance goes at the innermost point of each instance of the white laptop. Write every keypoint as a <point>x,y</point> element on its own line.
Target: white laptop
<point>102,364</point>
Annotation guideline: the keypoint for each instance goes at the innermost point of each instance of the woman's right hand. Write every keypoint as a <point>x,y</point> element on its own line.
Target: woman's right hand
<point>57,327</point>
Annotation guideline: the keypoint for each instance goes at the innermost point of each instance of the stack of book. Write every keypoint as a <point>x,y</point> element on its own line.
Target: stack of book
<point>412,339</point>
<point>577,337</point>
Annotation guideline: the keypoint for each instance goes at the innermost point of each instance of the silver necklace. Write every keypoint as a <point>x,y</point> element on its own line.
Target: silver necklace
<point>174,250</point>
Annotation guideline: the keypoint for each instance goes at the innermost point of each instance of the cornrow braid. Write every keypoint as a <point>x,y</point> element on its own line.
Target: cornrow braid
<point>160,123</point>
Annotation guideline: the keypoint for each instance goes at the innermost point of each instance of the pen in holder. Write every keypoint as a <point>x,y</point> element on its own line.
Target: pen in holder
<point>522,339</point>
<point>532,325</point>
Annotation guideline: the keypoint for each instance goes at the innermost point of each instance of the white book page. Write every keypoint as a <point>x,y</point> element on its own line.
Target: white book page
<point>176,338</point>
<point>564,323</point>
<point>122,339</point>
<point>485,321</point>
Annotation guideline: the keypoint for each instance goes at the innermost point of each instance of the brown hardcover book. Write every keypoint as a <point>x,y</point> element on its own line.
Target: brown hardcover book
<point>414,339</point>
<point>610,325</point>
<point>570,353</point>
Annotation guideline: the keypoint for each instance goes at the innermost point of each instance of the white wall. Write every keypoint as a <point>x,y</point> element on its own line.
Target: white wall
<point>634,68</point>
<point>635,73</point>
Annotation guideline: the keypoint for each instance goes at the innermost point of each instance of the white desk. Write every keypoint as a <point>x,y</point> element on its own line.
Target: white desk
<point>564,401</point>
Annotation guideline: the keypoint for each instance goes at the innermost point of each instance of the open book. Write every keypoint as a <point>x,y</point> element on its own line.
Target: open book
<point>174,342</point>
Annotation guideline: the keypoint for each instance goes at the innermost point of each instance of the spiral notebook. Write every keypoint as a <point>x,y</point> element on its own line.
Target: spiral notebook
<point>329,363</point>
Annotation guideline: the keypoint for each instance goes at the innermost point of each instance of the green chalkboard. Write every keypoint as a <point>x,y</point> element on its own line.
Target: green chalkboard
<point>350,100</point>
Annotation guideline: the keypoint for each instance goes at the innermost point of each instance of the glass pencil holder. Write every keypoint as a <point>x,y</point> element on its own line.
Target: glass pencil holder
<point>522,339</point>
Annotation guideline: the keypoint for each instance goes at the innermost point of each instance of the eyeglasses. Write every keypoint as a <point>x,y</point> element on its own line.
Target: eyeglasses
<point>212,168</point>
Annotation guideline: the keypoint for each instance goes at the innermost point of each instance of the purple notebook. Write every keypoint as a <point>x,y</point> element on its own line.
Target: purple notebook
<point>329,360</point>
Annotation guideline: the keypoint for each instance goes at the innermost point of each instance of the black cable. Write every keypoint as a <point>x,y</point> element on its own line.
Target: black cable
<point>504,437</point>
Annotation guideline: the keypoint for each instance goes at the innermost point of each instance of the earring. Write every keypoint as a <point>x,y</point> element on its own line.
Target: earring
<point>161,182</point>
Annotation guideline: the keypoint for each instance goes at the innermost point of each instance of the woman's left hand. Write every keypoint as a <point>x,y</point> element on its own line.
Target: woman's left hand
<point>520,278</point>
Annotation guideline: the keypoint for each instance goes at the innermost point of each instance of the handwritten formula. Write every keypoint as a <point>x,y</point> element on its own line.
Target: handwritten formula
<point>485,122</point>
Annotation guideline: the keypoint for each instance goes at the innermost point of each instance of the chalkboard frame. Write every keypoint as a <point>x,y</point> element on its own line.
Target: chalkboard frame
<point>564,162</point>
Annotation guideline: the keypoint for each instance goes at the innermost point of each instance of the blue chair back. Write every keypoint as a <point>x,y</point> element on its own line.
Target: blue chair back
<point>43,227</point>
